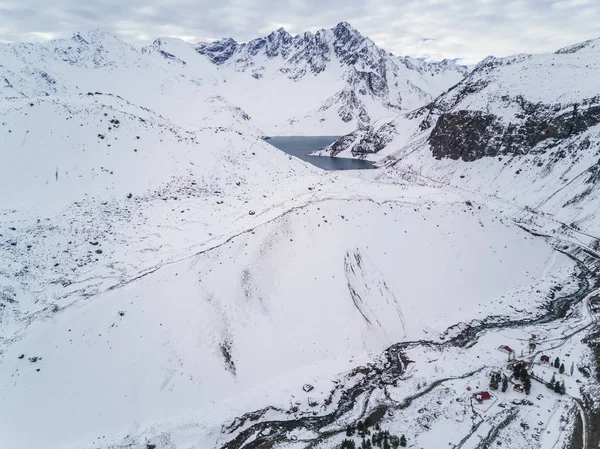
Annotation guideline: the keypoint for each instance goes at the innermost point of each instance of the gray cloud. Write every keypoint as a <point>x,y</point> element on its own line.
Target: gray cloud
<point>435,29</point>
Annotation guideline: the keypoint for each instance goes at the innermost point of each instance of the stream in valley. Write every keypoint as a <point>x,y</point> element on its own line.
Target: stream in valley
<point>392,365</point>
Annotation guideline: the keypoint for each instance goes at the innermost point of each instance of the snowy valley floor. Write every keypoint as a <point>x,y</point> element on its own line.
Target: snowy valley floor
<point>387,301</point>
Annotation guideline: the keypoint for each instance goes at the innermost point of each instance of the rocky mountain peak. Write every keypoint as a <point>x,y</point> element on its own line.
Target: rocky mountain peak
<point>218,51</point>
<point>370,74</point>
<point>77,37</point>
<point>280,32</point>
<point>91,48</point>
<point>344,29</point>
<point>343,39</point>
<point>278,42</point>
<point>485,61</point>
<point>592,45</point>
<point>360,83</point>
<point>96,36</point>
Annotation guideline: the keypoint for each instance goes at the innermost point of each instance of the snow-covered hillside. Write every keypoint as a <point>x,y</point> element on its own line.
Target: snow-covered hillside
<point>524,128</point>
<point>169,280</point>
<point>244,323</point>
<point>96,190</point>
<point>327,83</point>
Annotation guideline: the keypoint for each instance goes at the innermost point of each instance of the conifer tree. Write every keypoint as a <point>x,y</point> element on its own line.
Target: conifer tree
<point>360,428</point>
<point>403,441</point>
<point>561,370</point>
<point>527,383</point>
<point>517,372</point>
<point>493,381</point>
<point>556,362</point>
<point>348,444</point>
<point>504,384</point>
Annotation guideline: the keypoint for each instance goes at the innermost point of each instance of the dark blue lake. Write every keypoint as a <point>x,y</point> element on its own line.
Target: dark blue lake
<point>300,146</point>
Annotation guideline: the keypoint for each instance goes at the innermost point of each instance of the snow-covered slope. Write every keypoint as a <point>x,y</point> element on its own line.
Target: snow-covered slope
<point>98,185</point>
<point>246,323</point>
<point>525,128</point>
<point>98,62</point>
<point>154,277</point>
<point>323,84</point>
<point>168,280</point>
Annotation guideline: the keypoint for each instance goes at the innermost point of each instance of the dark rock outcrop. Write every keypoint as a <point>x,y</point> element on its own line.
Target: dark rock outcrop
<point>471,135</point>
<point>218,51</point>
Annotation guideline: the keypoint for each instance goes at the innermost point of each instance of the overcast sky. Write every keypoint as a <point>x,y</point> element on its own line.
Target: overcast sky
<point>434,29</point>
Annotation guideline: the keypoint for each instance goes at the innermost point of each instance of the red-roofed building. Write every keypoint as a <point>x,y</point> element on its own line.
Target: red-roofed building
<point>506,349</point>
<point>482,396</point>
<point>545,359</point>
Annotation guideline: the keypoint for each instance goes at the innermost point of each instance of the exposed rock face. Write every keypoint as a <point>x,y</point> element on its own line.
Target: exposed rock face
<point>348,107</point>
<point>512,105</point>
<point>374,142</point>
<point>368,141</point>
<point>219,51</point>
<point>508,106</point>
<point>301,54</point>
<point>466,135</point>
<point>471,135</point>
<point>524,128</point>
<point>370,72</point>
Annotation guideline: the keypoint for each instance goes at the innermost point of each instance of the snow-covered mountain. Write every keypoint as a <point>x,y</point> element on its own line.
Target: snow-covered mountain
<point>329,82</point>
<point>331,75</point>
<point>118,163</point>
<point>525,128</point>
<point>168,280</point>
<point>153,275</point>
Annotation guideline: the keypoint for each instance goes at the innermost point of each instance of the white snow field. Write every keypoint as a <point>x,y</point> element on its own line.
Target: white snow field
<point>169,280</point>
<point>336,277</point>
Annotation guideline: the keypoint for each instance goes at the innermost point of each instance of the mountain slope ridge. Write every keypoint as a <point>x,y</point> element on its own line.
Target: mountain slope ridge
<point>512,128</point>
<point>325,83</point>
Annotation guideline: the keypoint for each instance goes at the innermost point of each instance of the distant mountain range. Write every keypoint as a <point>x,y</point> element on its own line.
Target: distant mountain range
<point>332,81</point>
